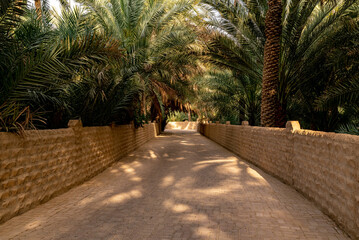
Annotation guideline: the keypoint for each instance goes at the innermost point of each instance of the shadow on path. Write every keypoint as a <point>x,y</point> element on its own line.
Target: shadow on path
<point>178,186</point>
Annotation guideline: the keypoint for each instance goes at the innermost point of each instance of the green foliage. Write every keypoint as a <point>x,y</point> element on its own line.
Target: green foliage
<point>227,97</point>
<point>349,129</point>
<point>177,116</point>
<point>161,49</point>
<point>135,60</point>
<point>103,65</point>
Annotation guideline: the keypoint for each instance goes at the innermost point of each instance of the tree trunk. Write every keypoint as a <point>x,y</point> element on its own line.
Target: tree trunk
<point>143,104</point>
<point>38,9</point>
<point>272,113</point>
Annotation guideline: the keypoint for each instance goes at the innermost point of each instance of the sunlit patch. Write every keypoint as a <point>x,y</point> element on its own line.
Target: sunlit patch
<point>114,171</point>
<point>212,191</point>
<point>229,169</point>
<point>86,201</point>
<point>122,197</point>
<point>167,181</point>
<point>175,159</point>
<point>205,232</point>
<point>129,170</point>
<point>178,208</point>
<point>216,161</point>
<point>189,144</point>
<point>254,173</point>
<point>33,224</point>
<point>152,154</point>
<point>136,164</point>
<point>208,233</point>
<point>136,179</point>
<point>198,168</point>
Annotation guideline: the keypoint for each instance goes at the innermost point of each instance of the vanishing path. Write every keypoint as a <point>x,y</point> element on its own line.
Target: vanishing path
<point>178,186</point>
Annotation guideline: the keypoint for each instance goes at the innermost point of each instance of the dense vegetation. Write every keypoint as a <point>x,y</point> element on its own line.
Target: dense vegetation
<point>144,60</point>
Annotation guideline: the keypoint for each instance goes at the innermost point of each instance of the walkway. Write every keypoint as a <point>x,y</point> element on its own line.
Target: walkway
<point>178,186</point>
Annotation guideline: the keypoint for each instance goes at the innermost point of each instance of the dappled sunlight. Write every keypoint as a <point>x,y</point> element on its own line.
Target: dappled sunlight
<point>33,224</point>
<point>123,197</point>
<point>128,168</point>
<point>199,168</point>
<point>136,179</point>
<point>206,233</point>
<point>87,200</point>
<point>189,144</point>
<point>189,126</point>
<point>114,171</point>
<point>210,191</point>
<point>152,154</point>
<point>229,171</point>
<point>230,160</point>
<point>177,208</point>
<point>167,181</point>
<point>170,189</point>
<point>253,173</point>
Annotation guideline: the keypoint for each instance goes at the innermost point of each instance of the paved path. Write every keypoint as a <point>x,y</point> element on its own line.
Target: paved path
<point>178,186</point>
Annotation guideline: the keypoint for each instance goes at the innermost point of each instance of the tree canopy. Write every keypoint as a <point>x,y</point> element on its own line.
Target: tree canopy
<point>120,61</point>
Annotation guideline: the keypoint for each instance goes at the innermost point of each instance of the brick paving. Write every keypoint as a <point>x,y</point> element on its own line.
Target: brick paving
<point>178,186</point>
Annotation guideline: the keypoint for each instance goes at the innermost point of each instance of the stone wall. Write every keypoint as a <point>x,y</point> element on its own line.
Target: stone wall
<point>45,163</point>
<point>322,166</point>
<point>182,125</point>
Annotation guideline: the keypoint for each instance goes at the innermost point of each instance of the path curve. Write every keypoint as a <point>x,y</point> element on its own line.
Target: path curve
<point>178,186</point>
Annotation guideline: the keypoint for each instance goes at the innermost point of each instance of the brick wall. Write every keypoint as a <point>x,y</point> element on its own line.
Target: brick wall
<point>45,163</point>
<point>322,166</point>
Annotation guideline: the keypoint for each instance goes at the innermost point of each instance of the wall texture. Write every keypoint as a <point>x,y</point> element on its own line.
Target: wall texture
<point>182,125</point>
<point>323,166</point>
<point>45,163</point>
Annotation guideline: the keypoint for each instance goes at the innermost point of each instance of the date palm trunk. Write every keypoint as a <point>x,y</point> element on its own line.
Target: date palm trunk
<point>272,113</point>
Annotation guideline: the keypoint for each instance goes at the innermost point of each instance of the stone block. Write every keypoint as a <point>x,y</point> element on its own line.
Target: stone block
<point>75,123</point>
<point>292,126</point>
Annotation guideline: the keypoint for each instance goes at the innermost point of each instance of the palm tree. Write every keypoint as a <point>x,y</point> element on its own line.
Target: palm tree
<point>37,61</point>
<point>312,38</point>
<point>160,46</point>
<point>272,114</point>
<point>229,97</point>
<point>236,42</point>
